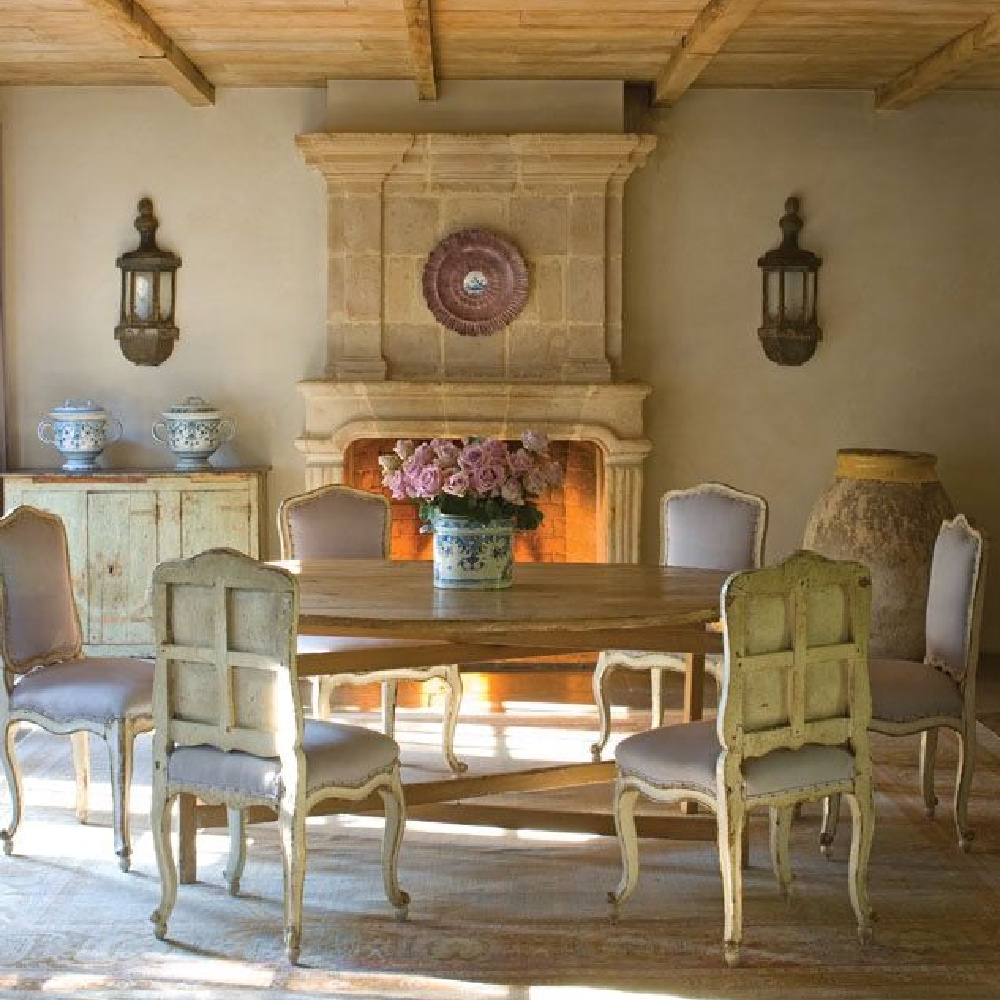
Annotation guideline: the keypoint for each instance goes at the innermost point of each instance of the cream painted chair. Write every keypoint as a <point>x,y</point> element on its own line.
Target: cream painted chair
<point>230,728</point>
<point>337,522</point>
<point>711,526</point>
<point>792,727</point>
<point>47,679</point>
<point>910,697</point>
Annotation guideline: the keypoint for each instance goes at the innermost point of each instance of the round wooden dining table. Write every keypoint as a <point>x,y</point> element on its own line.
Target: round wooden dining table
<point>368,615</point>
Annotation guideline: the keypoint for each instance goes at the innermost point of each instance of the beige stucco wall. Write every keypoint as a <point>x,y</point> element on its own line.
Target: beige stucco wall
<point>237,203</point>
<point>905,210</point>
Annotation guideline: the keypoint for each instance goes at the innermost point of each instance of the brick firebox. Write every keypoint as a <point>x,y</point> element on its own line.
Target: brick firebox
<point>567,534</point>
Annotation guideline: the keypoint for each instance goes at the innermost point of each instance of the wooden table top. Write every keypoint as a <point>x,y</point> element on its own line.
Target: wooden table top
<point>374,596</point>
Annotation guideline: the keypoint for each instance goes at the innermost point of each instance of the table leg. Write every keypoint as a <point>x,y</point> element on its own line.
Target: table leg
<point>694,702</point>
<point>187,828</point>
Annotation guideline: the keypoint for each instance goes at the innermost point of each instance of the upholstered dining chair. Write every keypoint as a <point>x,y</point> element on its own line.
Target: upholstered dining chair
<point>47,679</point>
<point>910,697</point>
<point>792,727</point>
<point>338,522</point>
<point>710,526</point>
<point>230,728</point>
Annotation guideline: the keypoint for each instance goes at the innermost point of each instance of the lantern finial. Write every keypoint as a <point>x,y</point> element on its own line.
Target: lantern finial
<point>147,224</point>
<point>791,225</point>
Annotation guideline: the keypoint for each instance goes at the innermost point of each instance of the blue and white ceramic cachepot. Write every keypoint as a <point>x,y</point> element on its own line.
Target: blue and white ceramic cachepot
<point>192,430</point>
<point>79,430</point>
<point>471,555</point>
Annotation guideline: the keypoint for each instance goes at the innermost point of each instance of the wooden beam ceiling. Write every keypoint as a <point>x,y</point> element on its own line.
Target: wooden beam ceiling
<point>710,31</point>
<point>150,42</point>
<point>941,66</point>
<point>418,27</point>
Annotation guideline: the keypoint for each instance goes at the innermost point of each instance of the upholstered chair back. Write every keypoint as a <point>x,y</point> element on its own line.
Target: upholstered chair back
<point>40,623</point>
<point>712,526</point>
<point>334,522</point>
<point>225,661</point>
<point>955,598</point>
<point>796,656</point>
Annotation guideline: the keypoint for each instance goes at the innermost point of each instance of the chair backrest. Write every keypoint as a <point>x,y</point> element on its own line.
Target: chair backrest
<point>40,623</point>
<point>796,663</point>
<point>955,598</point>
<point>712,526</point>
<point>225,655</point>
<point>334,522</point>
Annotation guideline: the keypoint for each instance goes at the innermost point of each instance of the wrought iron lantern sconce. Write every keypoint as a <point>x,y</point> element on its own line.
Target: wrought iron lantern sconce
<point>789,331</point>
<point>146,329</point>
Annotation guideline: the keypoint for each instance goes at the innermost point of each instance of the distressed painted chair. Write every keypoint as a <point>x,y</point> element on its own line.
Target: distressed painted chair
<point>47,679</point>
<point>338,522</point>
<point>230,728</point>
<point>910,697</point>
<point>792,727</point>
<point>711,526</point>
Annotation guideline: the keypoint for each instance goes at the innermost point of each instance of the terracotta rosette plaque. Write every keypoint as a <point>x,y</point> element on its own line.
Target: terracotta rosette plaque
<point>475,282</point>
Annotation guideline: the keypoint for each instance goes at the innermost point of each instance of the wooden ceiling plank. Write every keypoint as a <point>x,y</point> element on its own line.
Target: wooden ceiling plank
<point>710,31</point>
<point>146,38</point>
<point>939,67</point>
<point>418,28</point>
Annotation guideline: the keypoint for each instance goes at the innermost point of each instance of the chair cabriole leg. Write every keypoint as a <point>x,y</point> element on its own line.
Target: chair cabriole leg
<point>392,839</point>
<point>80,742</point>
<point>928,753</point>
<point>12,770</point>
<point>601,672</point>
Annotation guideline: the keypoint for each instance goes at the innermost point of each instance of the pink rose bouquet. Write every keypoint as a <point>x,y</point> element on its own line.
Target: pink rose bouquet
<point>480,478</point>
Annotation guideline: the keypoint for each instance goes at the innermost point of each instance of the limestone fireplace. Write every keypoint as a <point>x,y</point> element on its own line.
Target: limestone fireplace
<point>393,371</point>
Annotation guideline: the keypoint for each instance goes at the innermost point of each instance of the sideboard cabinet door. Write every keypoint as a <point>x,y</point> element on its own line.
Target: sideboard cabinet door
<point>121,524</point>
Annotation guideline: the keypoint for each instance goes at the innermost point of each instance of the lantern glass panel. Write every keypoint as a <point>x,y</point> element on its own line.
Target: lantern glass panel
<point>772,305</point>
<point>166,300</point>
<point>142,295</point>
<point>795,296</point>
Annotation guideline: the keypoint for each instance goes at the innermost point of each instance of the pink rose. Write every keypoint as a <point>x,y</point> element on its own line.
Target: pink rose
<point>472,457</point>
<point>396,482</point>
<point>457,484</point>
<point>534,483</point>
<point>521,461</point>
<point>447,453</point>
<point>427,482</point>
<point>511,492</point>
<point>496,450</point>
<point>535,441</point>
<point>489,478</point>
<point>423,454</point>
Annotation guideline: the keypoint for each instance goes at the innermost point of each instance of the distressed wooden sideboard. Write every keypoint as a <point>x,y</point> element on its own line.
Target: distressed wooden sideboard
<point>121,523</point>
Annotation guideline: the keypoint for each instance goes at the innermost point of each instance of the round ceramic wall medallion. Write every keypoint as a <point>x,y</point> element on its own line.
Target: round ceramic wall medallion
<point>475,282</point>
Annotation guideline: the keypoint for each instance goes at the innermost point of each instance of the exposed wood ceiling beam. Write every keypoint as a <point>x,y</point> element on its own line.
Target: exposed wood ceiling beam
<point>710,31</point>
<point>939,67</point>
<point>418,27</point>
<point>145,37</point>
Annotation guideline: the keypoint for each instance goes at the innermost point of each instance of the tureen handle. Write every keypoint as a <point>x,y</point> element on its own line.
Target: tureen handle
<point>46,425</point>
<point>115,430</point>
<point>157,426</point>
<point>227,428</point>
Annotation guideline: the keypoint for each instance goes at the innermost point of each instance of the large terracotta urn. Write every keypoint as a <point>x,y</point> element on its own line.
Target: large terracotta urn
<point>884,509</point>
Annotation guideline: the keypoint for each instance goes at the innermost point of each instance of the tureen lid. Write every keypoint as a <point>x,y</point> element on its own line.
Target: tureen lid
<point>81,409</point>
<point>192,406</point>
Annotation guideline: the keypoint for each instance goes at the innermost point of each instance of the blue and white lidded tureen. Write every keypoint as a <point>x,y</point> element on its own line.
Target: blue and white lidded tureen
<point>192,430</point>
<point>79,430</point>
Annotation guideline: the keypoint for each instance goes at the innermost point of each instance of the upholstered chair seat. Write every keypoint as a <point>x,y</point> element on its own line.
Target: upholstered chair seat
<point>229,725</point>
<point>338,522</point>
<point>97,689</point>
<point>910,697</point>
<point>904,690</point>
<point>47,679</point>
<point>711,526</point>
<point>686,755</point>
<point>792,727</point>
<point>335,755</point>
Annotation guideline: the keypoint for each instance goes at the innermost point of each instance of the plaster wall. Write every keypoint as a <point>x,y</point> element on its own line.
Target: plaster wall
<point>904,209</point>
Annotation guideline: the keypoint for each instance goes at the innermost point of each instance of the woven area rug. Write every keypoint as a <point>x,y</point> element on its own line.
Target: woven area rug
<point>502,915</point>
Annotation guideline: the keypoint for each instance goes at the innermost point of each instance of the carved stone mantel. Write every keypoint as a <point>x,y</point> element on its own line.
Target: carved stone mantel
<point>393,196</point>
<point>608,414</point>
